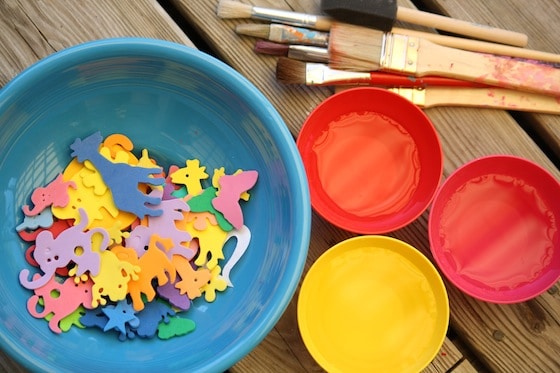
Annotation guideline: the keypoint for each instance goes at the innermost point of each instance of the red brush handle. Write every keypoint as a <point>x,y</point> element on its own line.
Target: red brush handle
<point>394,80</point>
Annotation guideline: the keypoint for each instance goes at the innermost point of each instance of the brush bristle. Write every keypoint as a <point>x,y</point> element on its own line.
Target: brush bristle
<point>268,47</point>
<point>355,48</point>
<point>289,71</point>
<point>253,29</point>
<point>233,9</point>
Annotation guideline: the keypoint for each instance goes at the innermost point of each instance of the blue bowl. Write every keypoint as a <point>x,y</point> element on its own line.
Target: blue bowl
<point>180,104</point>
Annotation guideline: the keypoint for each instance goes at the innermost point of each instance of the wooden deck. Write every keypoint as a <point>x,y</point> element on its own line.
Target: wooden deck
<point>482,337</point>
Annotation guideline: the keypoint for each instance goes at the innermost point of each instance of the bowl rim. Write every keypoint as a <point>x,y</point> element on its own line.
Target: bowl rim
<point>364,225</point>
<point>493,296</point>
<point>142,46</point>
<point>373,242</point>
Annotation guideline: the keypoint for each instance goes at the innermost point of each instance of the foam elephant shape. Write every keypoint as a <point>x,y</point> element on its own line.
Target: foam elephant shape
<point>59,299</point>
<point>72,245</point>
<point>55,194</point>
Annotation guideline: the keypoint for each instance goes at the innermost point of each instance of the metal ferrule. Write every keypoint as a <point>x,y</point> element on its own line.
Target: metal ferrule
<point>308,53</point>
<point>415,95</point>
<point>399,53</point>
<point>320,74</point>
<point>284,16</point>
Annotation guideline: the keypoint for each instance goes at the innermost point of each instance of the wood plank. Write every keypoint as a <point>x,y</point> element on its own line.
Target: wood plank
<point>32,30</point>
<point>538,19</point>
<point>466,133</point>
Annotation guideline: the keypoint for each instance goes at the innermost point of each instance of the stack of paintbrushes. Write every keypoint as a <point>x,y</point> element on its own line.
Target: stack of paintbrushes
<point>429,69</point>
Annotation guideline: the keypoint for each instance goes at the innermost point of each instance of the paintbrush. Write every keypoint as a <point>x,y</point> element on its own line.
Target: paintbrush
<point>363,49</point>
<point>285,34</point>
<point>298,52</point>
<point>290,71</point>
<point>498,49</point>
<point>382,15</point>
<point>235,9</point>
<point>489,97</point>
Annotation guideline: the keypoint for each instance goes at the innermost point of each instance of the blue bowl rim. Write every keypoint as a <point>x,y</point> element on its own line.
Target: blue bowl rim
<point>146,46</point>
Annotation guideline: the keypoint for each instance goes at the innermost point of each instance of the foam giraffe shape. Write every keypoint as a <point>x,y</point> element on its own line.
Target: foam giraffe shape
<point>121,178</point>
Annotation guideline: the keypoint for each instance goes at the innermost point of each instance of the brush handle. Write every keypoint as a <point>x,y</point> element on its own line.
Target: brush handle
<point>394,80</point>
<point>495,98</point>
<point>461,27</point>
<point>480,46</point>
<point>427,58</point>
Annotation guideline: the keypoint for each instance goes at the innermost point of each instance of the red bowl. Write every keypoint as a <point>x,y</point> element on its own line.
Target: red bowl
<point>372,158</point>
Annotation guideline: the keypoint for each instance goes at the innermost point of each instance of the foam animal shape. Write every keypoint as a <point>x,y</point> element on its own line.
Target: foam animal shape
<point>231,188</point>
<point>165,226</point>
<point>174,297</point>
<point>151,317</point>
<point>190,176</point>
<point>191,280</point>
<point>176,326</point>
<point>72,245</point>
<point>97,318</point>
<point>44,219</point>
<point>243,237</point>
<point>203,203</point>
<point>210,237</point>
<point>112,279</point>
<point>60,299</point>
<point>100,208</point>
<point>55,194</point>
<point>216,283</point>
<point>121,178</point>
<point>153,264</point>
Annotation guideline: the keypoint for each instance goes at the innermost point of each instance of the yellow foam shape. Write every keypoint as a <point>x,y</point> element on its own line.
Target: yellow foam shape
<point>216,283</point>
<point>112,279</point>
<point>190,176</point>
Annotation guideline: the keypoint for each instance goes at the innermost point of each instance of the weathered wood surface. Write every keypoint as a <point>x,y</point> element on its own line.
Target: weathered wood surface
<point>30,30</point>
<point>522,337</point>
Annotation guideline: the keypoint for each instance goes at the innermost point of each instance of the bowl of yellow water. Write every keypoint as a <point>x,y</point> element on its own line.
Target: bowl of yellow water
<point>373,303</point>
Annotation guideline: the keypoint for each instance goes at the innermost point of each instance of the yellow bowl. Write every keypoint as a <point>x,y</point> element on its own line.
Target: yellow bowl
<point>373,304</point>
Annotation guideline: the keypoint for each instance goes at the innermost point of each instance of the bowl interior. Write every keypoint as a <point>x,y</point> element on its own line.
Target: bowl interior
<point>494,229</point>
<point>372,158</point>
<point>373,303</point>
<point>180,104</point>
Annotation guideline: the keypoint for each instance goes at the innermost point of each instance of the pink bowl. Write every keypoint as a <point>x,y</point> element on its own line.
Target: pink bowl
<point>494,229</point>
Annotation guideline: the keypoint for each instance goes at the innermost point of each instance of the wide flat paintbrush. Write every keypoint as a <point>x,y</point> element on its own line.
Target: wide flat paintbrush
<point>286,34</point>
<point>363,49</point>
<point>489,97</point>
<point>290,71</point>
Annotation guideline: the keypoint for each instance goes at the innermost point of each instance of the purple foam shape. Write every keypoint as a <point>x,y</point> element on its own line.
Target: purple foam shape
<point>165,227</point>
<point>173,295</point>
<point>71,245</point>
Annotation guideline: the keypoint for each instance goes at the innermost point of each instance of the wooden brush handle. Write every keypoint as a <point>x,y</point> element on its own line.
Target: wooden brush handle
<point>461,27</point>
<point>433,59</point>
<point>481,46</point>
<point>495,98</point>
